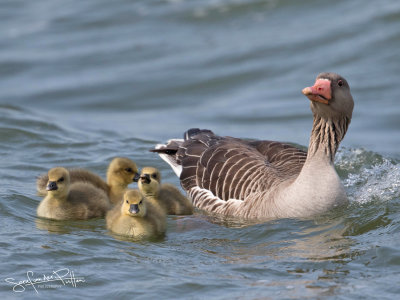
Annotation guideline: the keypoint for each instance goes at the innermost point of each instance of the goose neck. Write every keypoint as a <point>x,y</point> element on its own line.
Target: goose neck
<point>326,136</point>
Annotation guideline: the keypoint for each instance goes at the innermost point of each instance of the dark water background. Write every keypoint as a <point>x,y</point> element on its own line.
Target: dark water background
<point>85,81</point>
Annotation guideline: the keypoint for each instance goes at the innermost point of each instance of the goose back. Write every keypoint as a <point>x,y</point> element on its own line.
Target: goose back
<point>232,168</point>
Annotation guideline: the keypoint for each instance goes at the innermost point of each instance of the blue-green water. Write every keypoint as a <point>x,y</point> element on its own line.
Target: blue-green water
<point>85,81</point>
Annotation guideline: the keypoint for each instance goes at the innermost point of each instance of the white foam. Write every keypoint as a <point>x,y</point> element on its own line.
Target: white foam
<point>378,182</point>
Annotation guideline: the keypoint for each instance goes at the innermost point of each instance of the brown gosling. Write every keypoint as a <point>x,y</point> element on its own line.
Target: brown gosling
<point>121,172</point>
<point>135,217</point>
<point>169,197</point>
<point>76,201</point>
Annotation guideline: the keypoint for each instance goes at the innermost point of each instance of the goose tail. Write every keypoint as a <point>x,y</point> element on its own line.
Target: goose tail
<point>168,153</point>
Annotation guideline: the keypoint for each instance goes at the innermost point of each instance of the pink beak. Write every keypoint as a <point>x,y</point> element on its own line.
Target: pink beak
<point>320,91</point>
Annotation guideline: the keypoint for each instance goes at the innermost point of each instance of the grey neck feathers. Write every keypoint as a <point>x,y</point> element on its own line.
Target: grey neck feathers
<point>326,136</point>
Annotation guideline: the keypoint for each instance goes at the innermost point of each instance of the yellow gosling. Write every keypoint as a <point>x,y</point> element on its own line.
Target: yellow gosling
<point>135,217</point>
<point>66,201</point>
<point>169,196</point>
<point>121,172</point>
<point>150,188</point>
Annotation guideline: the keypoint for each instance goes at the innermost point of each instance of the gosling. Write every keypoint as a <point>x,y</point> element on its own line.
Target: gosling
<point>150,188</point>
<point>169,197</point>
<point>76,201</point>
<point>121,172</point>
<point>135,217</point>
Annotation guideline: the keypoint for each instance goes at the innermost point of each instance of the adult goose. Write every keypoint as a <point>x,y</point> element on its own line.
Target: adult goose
<point>267,179</point>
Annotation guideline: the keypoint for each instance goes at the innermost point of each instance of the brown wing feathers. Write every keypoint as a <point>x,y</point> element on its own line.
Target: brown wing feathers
<point>231,168</point>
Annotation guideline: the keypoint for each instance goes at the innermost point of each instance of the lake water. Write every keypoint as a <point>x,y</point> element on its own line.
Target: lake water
<point>85,81</point>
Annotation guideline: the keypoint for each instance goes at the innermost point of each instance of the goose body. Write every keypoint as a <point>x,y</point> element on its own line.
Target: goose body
<point>120,173</point>
<point>268,179</point>
<point>135,217</point>
<point>66,201</point>
<point>169,197</point>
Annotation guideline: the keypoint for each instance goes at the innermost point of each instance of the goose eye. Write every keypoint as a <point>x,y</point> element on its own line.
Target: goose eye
<point>61,179</point>
<point>129,170</point>
<point>340,83</point>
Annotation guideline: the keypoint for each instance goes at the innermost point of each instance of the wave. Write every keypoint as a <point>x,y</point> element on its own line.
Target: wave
<point>368,176</point>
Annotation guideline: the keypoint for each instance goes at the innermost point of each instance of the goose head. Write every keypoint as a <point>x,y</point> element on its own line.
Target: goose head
<point>58,183</point>
<point>133,204</point>
<point>122,171</point>
<point>153,173</point>
<point>330,97</point>
<point>148,185</point>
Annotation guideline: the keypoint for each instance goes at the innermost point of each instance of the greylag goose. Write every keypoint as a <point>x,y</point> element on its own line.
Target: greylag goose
<point>268,179</point>
<point>120,173</point>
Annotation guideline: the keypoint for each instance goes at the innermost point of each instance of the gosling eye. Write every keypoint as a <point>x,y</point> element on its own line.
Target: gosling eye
<point>127,201</point>
<point>61,179</point>
<point>340,83</point>
<point>154,175</point>
<point>129,170</point>
<point>141,201</point>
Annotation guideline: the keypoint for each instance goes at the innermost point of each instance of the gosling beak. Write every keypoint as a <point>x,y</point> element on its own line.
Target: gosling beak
<point>145,178</point>
<point>136,177</point>
<point>320,91</point>
<point>52,186</point>
<point>134,208</point>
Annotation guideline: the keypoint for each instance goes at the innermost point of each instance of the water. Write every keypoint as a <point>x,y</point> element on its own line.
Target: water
<point>84,81</point>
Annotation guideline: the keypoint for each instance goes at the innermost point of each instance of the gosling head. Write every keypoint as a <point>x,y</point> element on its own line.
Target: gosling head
<point>134,204</point>
<point>58,183</point>
<point>122,171</point>
<point>148,185</point>
<point>330,97</point>
<point>154,173</point>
